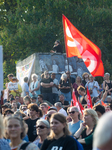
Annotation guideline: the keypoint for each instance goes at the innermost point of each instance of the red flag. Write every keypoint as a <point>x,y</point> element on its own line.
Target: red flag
<point>74,100</point>
<point>81,107</point>
<point>89,101</point>
<point>103,103</point>
<point>78,45</point>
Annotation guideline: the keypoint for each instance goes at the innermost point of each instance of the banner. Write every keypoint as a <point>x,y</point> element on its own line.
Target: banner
<point>24,71</point>
<point>78,45</point>
<point>89,101</point>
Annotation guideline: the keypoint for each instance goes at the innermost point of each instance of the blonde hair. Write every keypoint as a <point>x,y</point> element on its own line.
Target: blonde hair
<point>1,127</point>
<point>22,123</point>
<point>85,73</point>
<point>61,118</point>
<point>80,79</point>
<point>92,113</point>
<point>103,131</point>
<point>34,75</point>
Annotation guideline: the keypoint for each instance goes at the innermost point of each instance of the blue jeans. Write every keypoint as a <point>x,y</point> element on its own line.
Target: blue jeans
<point>48,97</point>
<point>55,97</point>
<point>67,96</point>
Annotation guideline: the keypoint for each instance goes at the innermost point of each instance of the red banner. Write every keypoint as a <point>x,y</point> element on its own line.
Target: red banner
<point>78,45</point>
<point>89,101</point>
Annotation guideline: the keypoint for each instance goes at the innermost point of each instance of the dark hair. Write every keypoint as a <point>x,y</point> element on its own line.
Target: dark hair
<point>25,79</point>
<point>40,113</point>
<point>94,99</point>
<point>33,106</point>
<point>57,41</point>
<point>81,88</point>
<point>7,110</point>
<point>10,75</point>
<point>99,108</point>
<point>41,96</point>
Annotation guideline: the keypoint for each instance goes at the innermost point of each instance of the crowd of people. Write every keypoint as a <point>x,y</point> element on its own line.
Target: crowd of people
<point>40,115</point>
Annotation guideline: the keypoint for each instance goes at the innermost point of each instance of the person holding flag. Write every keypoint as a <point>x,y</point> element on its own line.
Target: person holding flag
<point>83,99</point>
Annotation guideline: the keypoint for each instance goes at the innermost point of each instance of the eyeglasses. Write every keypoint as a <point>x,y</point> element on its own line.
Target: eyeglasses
<point>72,112</point>
<point>41,127</point>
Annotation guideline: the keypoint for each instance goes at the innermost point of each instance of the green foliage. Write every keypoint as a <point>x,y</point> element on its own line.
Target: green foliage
<point>29,26</point>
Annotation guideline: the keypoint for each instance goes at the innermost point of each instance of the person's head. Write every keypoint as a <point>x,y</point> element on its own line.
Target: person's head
<point>40,114</point>
<point>44,108</point>
<point>109,99</point>
<point>57,42</point>
<point>26,79</point>
<point>33,110</point>
<point>17,98</point>
<point>8,112</point>
<point>107,76</point>
<point>34,77</point>
<point>42,127</point>
<point>85,76</point>
<point>61,97</point>
<point>1,127</point>
<point>10,96</point>
<point>68,74</point>
<point>107,108</point>
<point>78,79</point>
<point>12,100</point>
<point>23,108</point>
<point>26,100</point>
<point>14,127</point>
<point>58,125</point>
<point>14,105</point>
<point>53,75</point>
<point>95,99</point>
<point>64,76</point>
<point>91,78</point>
<point>74,113</point>
<point>33,99</point>
<point>14,80</point>
<point>102,138</point>
<point>40,98</point>
<point>10,76</point>
<point>90,117</point>
<point>20,113</point>
<point>5,106</point>
<point>81,90</point>
<point>58,105</point>
<point>46,74</point>
<point>99,109</point>
<point>49,113</point>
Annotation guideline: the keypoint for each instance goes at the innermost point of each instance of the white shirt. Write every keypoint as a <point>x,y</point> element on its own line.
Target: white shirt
<point>12,86</point>
<point>91,85</point>
<point>62,111</point>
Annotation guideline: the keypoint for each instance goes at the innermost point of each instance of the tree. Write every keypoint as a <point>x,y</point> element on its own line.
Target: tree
<point>29,26</point>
